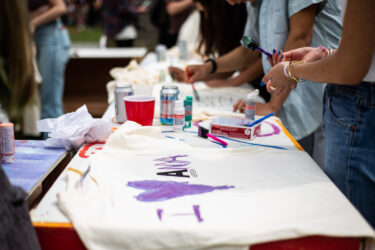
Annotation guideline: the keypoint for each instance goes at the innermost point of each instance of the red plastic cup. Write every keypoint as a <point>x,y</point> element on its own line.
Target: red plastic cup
<point>140,109</point>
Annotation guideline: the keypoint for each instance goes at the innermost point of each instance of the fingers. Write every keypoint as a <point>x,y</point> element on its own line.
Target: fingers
<point>176,73</point>
<point>277,56</point>
<point>240,106</point>
<point>194,73</point>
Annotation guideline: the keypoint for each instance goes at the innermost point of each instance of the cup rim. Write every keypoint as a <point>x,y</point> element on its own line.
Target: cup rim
<point>139,98</point>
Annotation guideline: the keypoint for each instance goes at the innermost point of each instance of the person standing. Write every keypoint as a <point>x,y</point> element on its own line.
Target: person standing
<point>17,83</point>
<point>119,19</point>
<point>52,52</point>
<point>349,102</point>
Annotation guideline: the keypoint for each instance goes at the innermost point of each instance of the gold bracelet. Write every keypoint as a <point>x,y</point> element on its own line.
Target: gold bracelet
<point>291,70</point>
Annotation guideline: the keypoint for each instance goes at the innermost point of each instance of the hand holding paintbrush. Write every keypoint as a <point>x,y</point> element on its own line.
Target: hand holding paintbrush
<point>195,92</point>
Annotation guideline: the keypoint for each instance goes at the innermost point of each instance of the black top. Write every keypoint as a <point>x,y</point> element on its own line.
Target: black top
<point>35,4</point>
<point>16,230</point>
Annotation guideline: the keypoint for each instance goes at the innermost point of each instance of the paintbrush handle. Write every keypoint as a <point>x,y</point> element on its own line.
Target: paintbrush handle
<point>261,119</point>
<point>264,52</point>
<point>217,139</point>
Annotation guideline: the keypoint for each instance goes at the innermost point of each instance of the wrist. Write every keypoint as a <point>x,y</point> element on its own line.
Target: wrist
<point>213,65</point>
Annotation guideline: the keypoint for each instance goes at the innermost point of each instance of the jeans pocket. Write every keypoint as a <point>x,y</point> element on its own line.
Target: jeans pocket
<point>64,38</point>
<point>343,109</point>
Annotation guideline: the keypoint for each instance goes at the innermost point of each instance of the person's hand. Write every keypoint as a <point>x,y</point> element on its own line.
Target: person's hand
<point>306,54</point>
<point>276,81</point>
<point>277,57</point>
<point>239,106</point>
<point>217,83</point>
<point>178,74</point>
<point>197,73</point>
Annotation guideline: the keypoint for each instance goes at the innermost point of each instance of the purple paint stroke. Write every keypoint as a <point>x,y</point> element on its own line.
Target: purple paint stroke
<point>165,190</point>
<point>197,213</point>
<point>276,130</point>
<point>160,213</point>
<point>171,162</point>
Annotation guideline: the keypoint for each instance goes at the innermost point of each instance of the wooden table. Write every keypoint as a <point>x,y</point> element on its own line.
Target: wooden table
<point>87,73</point>
<point>35,168</point>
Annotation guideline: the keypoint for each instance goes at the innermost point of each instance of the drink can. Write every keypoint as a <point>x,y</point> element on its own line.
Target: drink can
<point>160,51</point>
<point>183,50</point>
<point>7,146</point>
<point>120,93</point>
<point>168,95</point>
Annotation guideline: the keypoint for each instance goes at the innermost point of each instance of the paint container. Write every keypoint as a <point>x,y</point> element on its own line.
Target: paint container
<point>168,95</point>
<point>120,93</point>
<point>178,116</point>
<point>250,105</point>
<point>160,51</point>
<point>183,50</point>
<point>7,146</point>
<point>188,103</point>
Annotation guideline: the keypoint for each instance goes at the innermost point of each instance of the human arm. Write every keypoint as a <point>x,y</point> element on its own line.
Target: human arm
<point>180,75</point>
<point>45,15</point>
<point>176,7</point>
<point>247,74</point>
<point>349,64</point>
<point>236,59</point>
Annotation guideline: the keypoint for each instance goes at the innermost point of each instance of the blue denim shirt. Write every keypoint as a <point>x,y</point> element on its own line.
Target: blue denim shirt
<point>268,23</point>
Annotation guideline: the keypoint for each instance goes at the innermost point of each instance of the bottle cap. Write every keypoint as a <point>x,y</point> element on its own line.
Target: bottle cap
<point>252,94</point>
<point>189,97</point>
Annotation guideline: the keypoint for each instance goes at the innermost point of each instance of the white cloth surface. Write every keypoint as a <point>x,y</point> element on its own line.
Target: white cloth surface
<point>73,129</point>
<point>256,195</point>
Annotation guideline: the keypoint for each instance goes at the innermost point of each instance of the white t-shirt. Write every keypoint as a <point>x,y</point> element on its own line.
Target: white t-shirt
<point>370,76</point>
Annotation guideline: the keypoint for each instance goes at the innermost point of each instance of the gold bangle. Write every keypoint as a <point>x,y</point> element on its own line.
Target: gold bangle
<point>291,70</point>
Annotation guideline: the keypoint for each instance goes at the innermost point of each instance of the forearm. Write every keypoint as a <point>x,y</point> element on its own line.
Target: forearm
<point>248,74</point>
<point>237,59</point>
<point>174,8</point>
<point>223,75</point>
<point>54,12</point>
<point>336,68</point>
<point>351,62</point>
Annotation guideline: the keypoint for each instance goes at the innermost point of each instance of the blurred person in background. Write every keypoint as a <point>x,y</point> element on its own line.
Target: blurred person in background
<point>52,52</point>
<point>178,11</point>
<point>119,19</point>
<point>16,89</point>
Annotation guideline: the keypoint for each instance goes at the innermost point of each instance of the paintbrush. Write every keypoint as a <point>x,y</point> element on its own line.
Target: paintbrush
<point>251,44</point>
<point>204,133</point>
<point>261,119</point>
<point>195,92</point>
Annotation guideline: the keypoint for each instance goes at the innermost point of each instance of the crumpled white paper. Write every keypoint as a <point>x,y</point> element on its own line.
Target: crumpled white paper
<point>71,130</point>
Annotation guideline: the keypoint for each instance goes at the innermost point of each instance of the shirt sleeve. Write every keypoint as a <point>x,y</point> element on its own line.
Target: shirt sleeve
<point>295,6</point>
<point>251,28</point>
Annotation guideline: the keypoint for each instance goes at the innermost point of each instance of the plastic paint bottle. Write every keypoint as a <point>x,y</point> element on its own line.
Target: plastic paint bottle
<point>178,116</point>
<point>250,105</point>
<point>188,103</point>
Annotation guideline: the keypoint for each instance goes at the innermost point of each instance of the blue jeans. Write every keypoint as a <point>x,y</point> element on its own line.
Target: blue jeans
<point>349,123</point>
<point>52,46</point>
